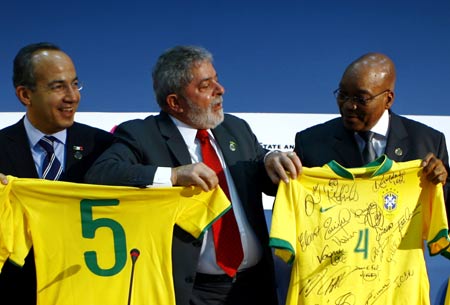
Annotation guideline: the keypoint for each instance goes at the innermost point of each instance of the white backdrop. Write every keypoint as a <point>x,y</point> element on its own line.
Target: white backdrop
<point>274,130</point>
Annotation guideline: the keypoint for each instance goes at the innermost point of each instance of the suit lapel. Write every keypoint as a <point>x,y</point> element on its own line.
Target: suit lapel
<point>174,139</point>
<point>73,139</point>
<point>232,154</point>
<point>397,141</point>
<point>228,145</point>
<point>19,152</point>
<point>346,148</point>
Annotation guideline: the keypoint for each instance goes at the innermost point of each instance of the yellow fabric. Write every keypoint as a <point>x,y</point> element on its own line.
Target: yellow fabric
<point>359,240</point>
<point>447,295</point>
<point>82,236</point>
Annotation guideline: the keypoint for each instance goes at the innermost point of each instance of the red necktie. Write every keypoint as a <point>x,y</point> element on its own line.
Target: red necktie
<point>227,240</point>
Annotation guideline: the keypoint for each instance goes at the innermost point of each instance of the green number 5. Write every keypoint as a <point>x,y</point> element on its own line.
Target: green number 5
<point>90,225</point>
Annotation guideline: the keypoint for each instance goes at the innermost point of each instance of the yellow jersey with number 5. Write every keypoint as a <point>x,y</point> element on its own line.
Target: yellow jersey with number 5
<point>83,236</point>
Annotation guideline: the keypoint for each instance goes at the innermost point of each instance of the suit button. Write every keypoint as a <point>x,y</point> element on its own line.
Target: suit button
<point>189,279</point>
<point>197,243</point>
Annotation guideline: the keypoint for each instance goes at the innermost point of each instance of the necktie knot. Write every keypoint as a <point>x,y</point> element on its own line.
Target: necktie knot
<point>202,135</point>
<point>46,143</point>
<point>366,135</point>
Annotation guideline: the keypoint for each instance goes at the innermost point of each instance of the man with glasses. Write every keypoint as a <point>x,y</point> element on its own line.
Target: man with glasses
<point>365,97</point>
<point>47,84</point>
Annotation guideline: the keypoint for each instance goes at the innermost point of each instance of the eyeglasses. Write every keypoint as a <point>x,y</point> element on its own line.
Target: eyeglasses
<point>63,88</point>
<point>357,99</point>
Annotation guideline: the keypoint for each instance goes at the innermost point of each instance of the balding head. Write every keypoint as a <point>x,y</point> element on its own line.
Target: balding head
<point>371,79</point>
<point>376,68</point>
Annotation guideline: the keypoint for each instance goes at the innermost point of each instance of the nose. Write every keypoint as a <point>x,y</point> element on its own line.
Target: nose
<point>348,103</point>
<point>71,93</point>
<point>219,90</point>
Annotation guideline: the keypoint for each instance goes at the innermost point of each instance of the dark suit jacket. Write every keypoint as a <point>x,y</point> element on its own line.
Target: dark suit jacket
<point>19,285</point>
<point>407,140</point>
<point>143,145</point>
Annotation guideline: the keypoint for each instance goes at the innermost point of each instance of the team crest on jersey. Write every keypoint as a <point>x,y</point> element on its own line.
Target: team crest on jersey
<point>390,201</point>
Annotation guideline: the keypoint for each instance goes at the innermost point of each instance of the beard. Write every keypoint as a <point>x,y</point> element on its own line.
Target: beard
<point>205,118</point>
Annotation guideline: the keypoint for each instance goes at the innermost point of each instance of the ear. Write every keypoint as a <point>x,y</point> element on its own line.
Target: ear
<point>24,95</point>
<point>173,101</point>
<point>390,99</point>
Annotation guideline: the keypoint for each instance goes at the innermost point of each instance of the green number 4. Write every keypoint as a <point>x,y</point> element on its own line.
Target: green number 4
<point>363,242</point>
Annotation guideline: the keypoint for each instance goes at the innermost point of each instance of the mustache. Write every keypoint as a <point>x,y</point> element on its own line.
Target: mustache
<point>216,101</point>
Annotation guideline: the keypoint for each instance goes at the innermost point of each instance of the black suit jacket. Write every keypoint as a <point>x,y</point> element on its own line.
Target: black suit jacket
<point>19,285</point>
<point>407,140</point>
<point>142,146</point>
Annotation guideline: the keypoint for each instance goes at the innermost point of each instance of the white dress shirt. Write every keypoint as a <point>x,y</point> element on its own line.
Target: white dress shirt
<point>250,243</point>
<point>379,139</point>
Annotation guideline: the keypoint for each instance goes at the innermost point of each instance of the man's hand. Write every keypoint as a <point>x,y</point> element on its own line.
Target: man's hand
<point>434,169</point>
<point>3,179</point>
<point>197,174</point>
<point>279,164</point>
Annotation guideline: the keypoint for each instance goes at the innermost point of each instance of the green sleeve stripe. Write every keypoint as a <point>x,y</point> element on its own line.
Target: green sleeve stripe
<point>213,221</point>
<point>283,245</point>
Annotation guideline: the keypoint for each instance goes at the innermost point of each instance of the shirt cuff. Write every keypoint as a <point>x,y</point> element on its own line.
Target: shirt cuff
<point>162,177</point>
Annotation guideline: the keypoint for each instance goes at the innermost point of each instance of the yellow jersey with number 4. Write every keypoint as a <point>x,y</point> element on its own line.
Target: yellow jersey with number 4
<point>356,236</point>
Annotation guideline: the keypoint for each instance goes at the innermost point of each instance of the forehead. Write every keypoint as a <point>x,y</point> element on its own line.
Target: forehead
<point>203,70</point>
<point>51,64</point>
<point>363,79</point>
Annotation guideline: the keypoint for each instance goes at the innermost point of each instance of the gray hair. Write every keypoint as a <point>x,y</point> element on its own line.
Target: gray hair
<point>173,70</point>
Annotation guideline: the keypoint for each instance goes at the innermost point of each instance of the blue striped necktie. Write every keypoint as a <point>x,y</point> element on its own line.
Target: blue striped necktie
<point>51,169</point>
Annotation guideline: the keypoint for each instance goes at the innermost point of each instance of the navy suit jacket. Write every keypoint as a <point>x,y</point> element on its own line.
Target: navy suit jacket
<point>16,159</point>
<point>407,140</point>
<point>142,146</point>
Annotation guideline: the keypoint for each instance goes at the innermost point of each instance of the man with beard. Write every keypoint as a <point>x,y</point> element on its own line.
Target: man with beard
<point>169,148</point>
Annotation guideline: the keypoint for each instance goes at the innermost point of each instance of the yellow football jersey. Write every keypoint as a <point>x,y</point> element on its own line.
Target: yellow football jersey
<point>356,236</point>
<point>84,235</point>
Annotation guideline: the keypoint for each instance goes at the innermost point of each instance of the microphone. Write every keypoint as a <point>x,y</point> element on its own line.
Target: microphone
<point>134,254</point>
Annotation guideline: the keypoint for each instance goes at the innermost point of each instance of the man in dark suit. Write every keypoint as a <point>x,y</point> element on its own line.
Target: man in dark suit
<point>46,83</point>
<point>365,97</point>
<point>164,149</point>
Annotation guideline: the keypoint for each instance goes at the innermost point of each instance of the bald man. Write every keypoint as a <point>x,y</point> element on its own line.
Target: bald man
<point>365,97</point>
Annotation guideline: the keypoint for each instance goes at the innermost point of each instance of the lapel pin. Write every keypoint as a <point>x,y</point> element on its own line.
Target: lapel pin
<point>398,151</point>
<point>233,146</point>
<point>78,152</point>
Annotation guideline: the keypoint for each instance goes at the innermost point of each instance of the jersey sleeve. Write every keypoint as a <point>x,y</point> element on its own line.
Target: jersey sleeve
<point>199,210</point>
<point>435,219</point>
<point>282,236</point>
<point>6,224</point>
<point>22,241</point>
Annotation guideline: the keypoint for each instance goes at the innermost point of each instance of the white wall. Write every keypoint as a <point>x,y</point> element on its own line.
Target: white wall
<point>274,130</point>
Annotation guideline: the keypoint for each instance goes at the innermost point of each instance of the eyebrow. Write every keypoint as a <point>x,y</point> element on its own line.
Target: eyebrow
<point>60,81</point>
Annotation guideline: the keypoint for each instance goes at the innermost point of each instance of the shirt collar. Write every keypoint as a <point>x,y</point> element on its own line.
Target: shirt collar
<point>382,126</point>
<point>34,134</point>
<point>188,133</point>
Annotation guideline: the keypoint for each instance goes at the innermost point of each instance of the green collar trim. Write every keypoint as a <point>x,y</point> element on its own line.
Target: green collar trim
<point>372,169</point>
